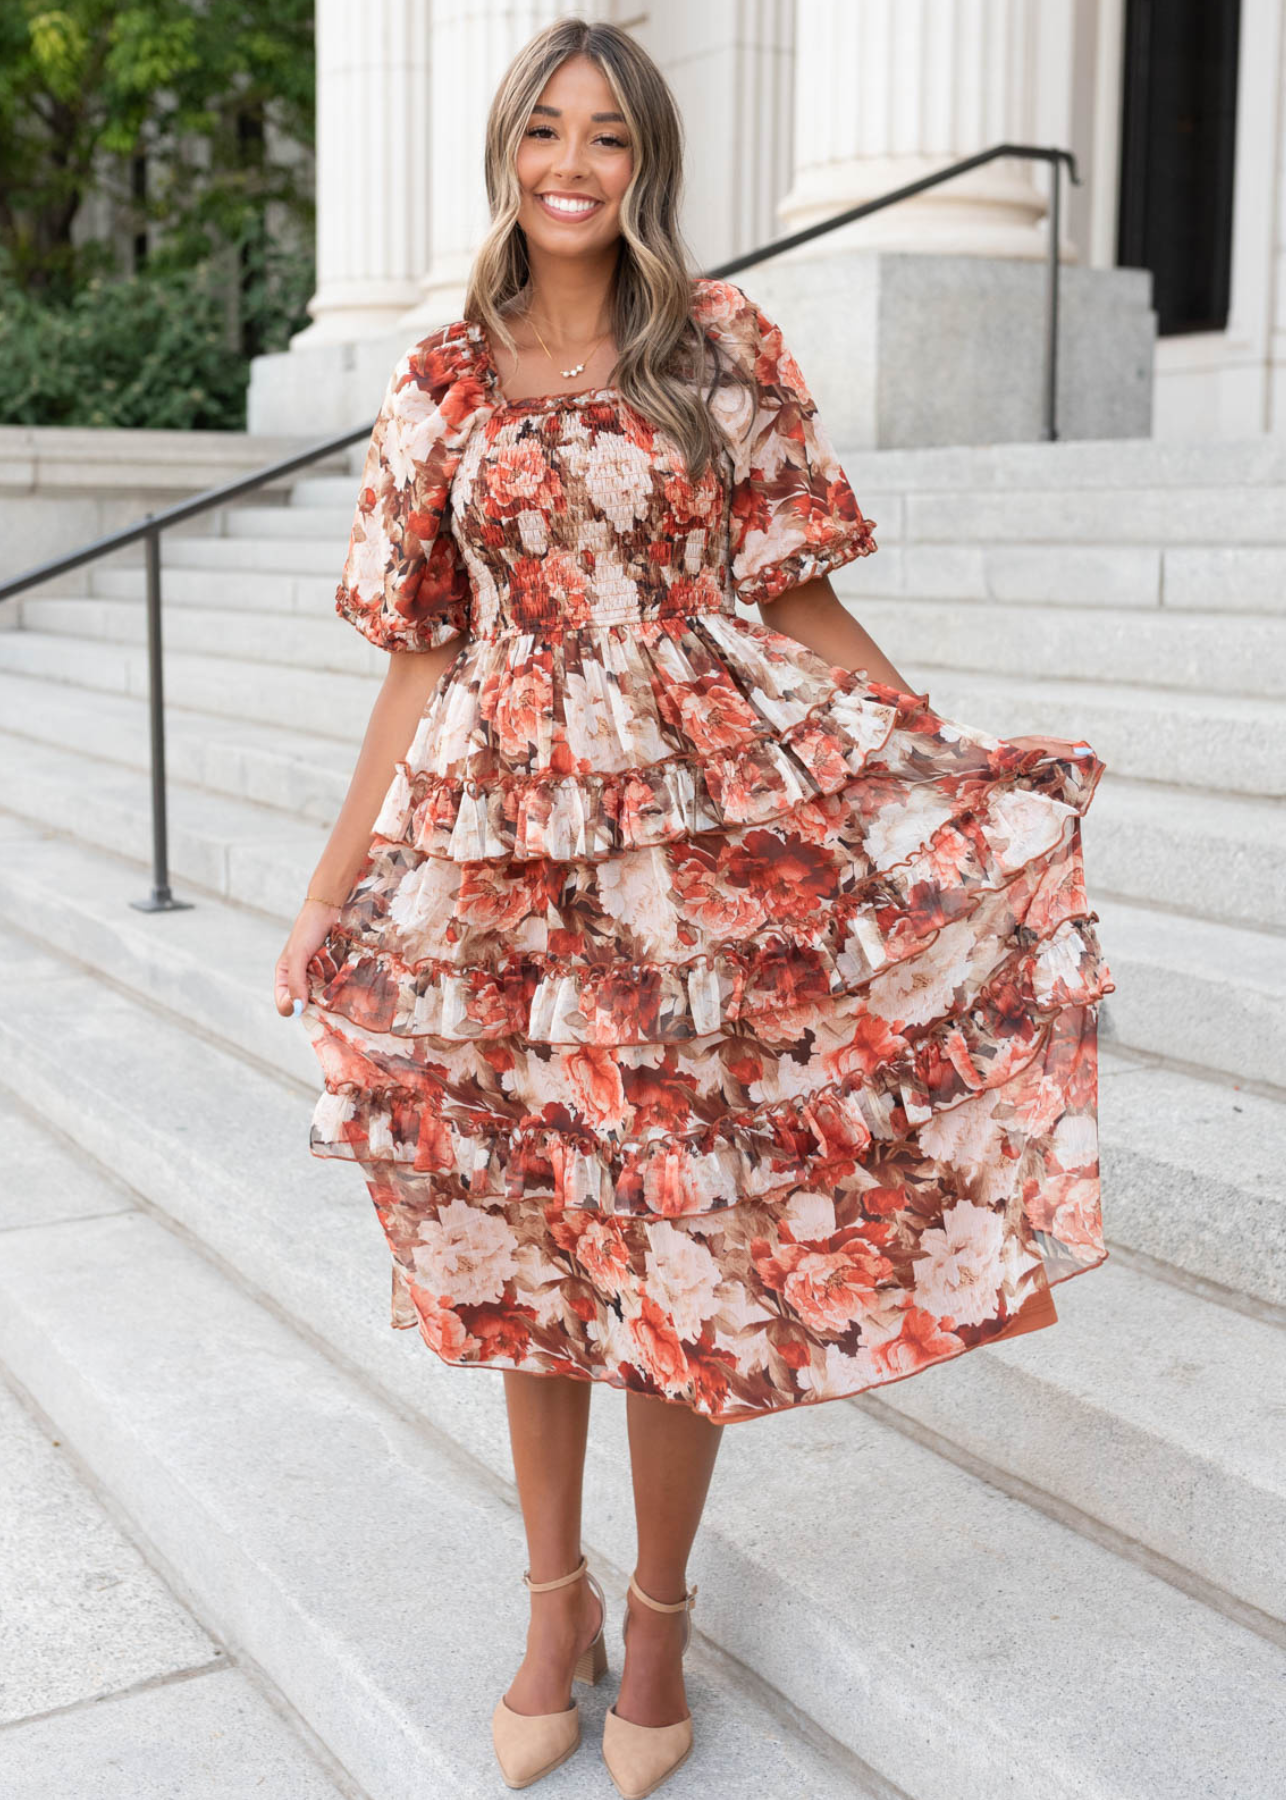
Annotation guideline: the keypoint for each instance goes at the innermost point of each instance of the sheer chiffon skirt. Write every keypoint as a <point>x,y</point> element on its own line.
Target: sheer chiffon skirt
<point>715,1022</point>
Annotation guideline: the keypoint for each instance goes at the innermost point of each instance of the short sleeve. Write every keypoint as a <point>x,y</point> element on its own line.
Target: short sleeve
<point>793,516</point>
<point>404,584</point>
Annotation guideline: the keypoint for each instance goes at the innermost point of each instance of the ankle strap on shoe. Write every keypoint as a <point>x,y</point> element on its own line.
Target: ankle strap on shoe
<point>543,1587</point>
<point>665,1606</point>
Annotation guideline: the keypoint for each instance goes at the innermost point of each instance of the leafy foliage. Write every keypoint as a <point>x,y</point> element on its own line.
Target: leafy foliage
<point>146,351</point>
<point>214,100</point>
<point>87,86</point>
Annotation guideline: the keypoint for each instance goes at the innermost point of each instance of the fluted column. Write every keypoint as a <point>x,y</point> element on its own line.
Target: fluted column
<point>731,68</point>
<point>889,90</point>
<point>474,42</point>
<point>373,159</point>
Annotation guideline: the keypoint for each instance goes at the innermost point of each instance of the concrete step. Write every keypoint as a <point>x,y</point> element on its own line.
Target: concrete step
<point>328,492</point>
<point>1229,579</point>
<point>210,966</point>
<point>1201,653</point>
<point>210,1739</point>
<point>1126,1397</point>
<point>110,1683</point>
<point>231,555</point>
<point>1192,1180</point>
<point>1198,1161</point>
<point>1096,464</point>
<point>86,1615</point>
<point>310,596</point>
<point>303,775</point>
<point>925,1722</point>
<point>331,521</point>
<point>1212,996</point>
<point>1219,856</point>
<point>1116,515</point>
<point>1164,576</point>
<point>261,1471</point>
<point>243,851</point>
<point>320,701</point>
<point>1152,589</point>
<point>293,638</point>
<point>1210,741</point>
<point>167,970</point>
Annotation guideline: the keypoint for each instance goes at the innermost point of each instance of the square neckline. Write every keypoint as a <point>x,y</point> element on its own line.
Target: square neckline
<point>492,374</point>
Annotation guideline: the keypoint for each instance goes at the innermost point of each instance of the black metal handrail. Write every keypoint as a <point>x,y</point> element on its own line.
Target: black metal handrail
<point>161,898</point>
<point>150,527</point>
<point>1031,152</point>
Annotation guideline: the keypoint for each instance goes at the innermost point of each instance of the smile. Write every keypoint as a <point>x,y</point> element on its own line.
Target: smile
<point>559,208</point>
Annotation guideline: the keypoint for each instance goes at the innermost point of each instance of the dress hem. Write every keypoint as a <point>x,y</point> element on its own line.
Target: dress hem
<point>1037,1313</point>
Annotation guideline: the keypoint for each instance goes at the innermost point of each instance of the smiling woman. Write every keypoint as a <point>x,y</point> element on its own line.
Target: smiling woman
<point>573,163</point>
<point>708,1015</point>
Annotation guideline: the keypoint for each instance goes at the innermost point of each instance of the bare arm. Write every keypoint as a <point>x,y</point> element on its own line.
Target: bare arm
<point>399,704</point>
<point>815,615</point>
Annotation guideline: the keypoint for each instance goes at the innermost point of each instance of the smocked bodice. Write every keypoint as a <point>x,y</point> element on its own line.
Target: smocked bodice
<point>488,516</point>
<point>575,511</point>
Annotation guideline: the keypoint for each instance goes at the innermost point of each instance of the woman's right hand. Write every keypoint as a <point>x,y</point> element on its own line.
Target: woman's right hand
<point>307,935</point>
<point>404,692</point>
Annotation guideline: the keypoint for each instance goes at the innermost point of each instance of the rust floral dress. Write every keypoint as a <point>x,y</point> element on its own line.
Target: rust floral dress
<point>706,1019</point>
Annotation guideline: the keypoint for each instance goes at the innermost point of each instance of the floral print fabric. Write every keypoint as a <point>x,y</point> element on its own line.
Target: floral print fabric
<point>705,1019</point>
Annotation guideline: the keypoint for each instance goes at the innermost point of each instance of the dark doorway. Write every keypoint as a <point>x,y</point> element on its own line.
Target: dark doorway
<point>1177,150</point>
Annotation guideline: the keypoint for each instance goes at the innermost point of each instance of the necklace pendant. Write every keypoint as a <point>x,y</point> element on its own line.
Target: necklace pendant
<point>568,373</point>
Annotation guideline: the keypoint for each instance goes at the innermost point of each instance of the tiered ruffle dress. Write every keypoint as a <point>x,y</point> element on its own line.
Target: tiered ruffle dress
<point>706,1019</point>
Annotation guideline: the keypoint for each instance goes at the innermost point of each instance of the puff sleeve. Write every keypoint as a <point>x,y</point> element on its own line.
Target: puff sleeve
<point>793,515</point>
<point>404,584</point>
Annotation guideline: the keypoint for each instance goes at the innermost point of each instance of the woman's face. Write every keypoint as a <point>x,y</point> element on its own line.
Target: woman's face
<point>574,163</point>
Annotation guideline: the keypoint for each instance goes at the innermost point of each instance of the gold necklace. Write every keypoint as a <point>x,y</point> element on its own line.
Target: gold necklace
<point>567,373</point>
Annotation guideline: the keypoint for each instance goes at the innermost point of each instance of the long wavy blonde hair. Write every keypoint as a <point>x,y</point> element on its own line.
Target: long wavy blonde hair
<point>663,357</point>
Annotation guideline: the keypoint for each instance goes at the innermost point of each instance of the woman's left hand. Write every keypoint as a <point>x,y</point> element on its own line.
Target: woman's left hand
<point>307,935</point>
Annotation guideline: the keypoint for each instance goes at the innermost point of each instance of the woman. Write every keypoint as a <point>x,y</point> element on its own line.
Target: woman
<point>708,1016</point>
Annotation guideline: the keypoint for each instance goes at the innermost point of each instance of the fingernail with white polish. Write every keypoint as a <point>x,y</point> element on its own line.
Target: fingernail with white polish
<point>299,1006</point>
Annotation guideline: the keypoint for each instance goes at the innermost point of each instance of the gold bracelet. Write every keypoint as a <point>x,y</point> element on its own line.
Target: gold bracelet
<point>337,904</point>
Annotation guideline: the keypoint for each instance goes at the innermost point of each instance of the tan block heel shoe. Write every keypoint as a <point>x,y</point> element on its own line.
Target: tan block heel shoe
<point>529,1745</point>
<point>640,1757</point>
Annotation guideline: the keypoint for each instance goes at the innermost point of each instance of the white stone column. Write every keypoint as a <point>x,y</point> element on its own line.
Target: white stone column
<point>373,159</point>
<point>732,70</point>
<point>474,41</point>
<point>889,90</point>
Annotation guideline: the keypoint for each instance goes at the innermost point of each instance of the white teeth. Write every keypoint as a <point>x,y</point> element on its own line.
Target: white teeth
<point>569,206</point>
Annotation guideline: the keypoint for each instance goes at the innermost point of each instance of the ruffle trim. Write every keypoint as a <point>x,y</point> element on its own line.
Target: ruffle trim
<point>524,817</point>
<point>764,585</point>
<point>392,631</point>
<point>742,1155</point>
<point>539,997</point>
<point>645,734</point>
<point>546,813</point>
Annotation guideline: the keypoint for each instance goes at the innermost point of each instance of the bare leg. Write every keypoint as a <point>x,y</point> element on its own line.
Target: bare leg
<point>548,1424</point>
<point>672,1454</point>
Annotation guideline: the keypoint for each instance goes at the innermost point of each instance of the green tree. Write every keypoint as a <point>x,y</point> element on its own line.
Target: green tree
<point>88,88</point>
<point>173,109</point>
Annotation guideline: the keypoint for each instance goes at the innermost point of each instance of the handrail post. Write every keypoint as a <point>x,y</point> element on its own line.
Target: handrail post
<point>1051,301</point>
<point>160,899</point>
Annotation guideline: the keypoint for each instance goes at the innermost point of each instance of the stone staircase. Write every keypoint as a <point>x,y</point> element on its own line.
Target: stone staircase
<point>1049,1570</point>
